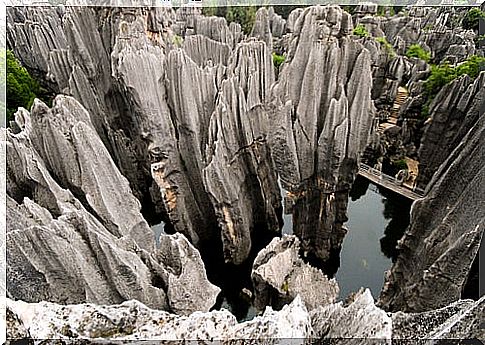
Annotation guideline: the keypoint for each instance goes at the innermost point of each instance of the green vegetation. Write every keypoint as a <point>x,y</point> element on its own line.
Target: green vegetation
<point>244,15</point>
<point>472,18</point>
<point>285,10</point>
<point>443,74</point>
<point>400,164</point>
<point>285,286</point>
<point>479,39</point>
<point>360,31</point>
<point>416,51</point>
<point>21,87</point>
<point>387,46</point>
<point>383,10</point>
<point>2,83</point>
<point>177,40</point>
<point>278,60</point>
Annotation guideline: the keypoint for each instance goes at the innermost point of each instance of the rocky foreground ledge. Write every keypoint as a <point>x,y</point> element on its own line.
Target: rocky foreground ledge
<point>132,320</point>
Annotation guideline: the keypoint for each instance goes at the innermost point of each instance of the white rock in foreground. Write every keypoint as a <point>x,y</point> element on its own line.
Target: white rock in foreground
<point>133,320</point>
<point>358,319</point>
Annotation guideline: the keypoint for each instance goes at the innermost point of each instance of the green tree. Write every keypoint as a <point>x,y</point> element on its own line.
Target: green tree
<point>443,74</point>
<point>382,11</point>
<point>360,31</point>
<point>416,51</point>
<point>21,87</point>
<point>387,46</point>
<point>244,15</point>
<point>278,60</point>
<point>2,87</point>
<point>472,18</point>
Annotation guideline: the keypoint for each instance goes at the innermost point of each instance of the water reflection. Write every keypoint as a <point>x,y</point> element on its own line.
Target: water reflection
<point>372,212</point>
<point>158,229</point>
<point>287,228</point>
<point>362,263</point>
<point>397,210</point>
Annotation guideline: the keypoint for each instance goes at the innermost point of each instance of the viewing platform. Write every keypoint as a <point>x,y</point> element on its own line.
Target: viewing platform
<point>377,177</point>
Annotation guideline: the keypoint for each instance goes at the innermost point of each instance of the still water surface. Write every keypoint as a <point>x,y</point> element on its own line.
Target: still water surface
<point>376,220</point>
<point>362,263</point>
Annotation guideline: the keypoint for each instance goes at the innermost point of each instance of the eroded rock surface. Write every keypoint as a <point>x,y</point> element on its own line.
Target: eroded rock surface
<point>319,136</point>
<point>359,319</point>
<point>454,111</point>
<point>133,320</point>
<point>160,130</point>
<point>279,275</point>
<point>59,248</point>
<point>347,321</point>
<point>437,250</point>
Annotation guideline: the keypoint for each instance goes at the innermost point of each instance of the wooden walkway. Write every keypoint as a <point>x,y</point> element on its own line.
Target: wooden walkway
<point>389,182</point>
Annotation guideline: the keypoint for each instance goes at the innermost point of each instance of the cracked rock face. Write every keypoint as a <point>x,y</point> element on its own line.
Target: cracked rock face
<point>161,131</point>
<point>319,136</point>
<point>437,250</point>
<point>133,320</point>
<point>239,175</point>
<point>70,243</point>
<point>454,110</point>
<point>279,275</point>
<point>344,321</point>
<point>134,137</point>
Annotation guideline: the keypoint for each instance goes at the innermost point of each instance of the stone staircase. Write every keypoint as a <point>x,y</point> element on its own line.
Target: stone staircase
<point>402,95</point>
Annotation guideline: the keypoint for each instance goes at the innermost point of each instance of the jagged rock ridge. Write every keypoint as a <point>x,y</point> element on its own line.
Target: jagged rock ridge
<point>134,321</point>
<point>437,250</point>
<point>75,247</point>
<point>320,135</point>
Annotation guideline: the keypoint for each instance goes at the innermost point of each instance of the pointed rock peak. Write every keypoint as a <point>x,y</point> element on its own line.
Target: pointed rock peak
<point>39,108</point>
<point>262,29</point>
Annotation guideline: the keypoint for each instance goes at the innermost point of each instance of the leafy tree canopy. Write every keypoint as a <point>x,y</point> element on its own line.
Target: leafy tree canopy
<point>21,88</point>
<point>472,18</point>
<point>360,31</point>
<point>416,51</point>
<point>278,60</point>
<point>443,74</point>
<point>244,15</point>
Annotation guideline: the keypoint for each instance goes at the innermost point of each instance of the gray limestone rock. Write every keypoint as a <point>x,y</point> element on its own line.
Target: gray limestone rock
<point>262,28</point>
<point>437,250</point>
<point>344,321</point>
<point>277,23</point>
<point>216,28</point>
<point>69,145</point>
<point>15,327</point>
<point>454,110</point>
<point>319,136</point>
<point>460,320</point>
<point>279,275</point>
<point>205,51</point>
<point>357,322</point>
<point>187,286</point>
<point>239,175</point>
<point>60,248</point>
<point>133,320</point>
